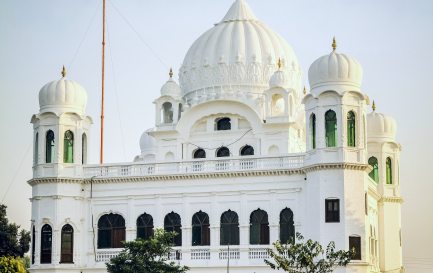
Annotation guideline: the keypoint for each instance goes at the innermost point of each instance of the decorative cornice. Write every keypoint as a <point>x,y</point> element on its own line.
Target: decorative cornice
<point>391,199</point>
<point>165,177</point>
<point>346,166</point>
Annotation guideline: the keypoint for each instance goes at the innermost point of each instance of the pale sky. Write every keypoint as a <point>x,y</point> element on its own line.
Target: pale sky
<point>392,39</point>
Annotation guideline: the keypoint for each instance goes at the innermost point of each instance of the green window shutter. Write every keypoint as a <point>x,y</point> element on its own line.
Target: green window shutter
<point>351,129</point>
<point>374,174</point>
<point>331,128</point>
<point>388,171</point>
<point>68,147</point>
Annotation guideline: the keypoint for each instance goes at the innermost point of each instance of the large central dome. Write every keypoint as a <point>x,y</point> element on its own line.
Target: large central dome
<point>239,52</point>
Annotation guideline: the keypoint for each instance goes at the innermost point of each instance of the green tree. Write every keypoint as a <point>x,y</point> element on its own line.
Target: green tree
<point>11,265</point>
<point>13,242</point>
<point>307,257</point>
<point>146,256</point>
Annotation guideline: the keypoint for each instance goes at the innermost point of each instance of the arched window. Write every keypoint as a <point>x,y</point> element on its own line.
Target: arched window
<point>111,231</point>
<point>313,131</point>
<point>200,229</point>
<point>351,129</point>
<point>172,223</point>
<point>223,124</point>
<point>388,171</point>
<point>68,147</point>
<point>277,105</point>
<point>247,150</point>
<point>179,111</point>
<point>199,153</point>
<point>67,244</point>
<point>46,244</point>
<point>287,228</point>
<point>259,228</point>
<point>35,159</point>
<point>223,152</point>
<point>167,112</point>
<point>331,128</point>
<point>83,148</point>
<point>49,147</point>
<point>229,230</point>
<point>144,226</point>
<point>374,174</point>
<point>33,244</point>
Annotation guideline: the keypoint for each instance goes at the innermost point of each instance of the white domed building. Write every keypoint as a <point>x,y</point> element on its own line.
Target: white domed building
<point>240,156</point>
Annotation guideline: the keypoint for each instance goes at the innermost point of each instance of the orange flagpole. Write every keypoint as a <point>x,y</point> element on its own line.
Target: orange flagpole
<point>101,155</point>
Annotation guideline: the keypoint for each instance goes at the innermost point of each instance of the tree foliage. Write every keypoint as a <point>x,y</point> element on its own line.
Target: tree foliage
<point>307,257</point>
<point>13,242</point>
<point>146,256</point>
<point>11,265</point>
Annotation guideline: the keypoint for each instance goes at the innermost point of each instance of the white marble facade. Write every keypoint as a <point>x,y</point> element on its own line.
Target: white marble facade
<point>239,133</point>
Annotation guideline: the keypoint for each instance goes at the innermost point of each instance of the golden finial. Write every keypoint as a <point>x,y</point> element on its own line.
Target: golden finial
<point>63,72</point>
<point>334,44</point>
<point>373,106</point>
<point>305,90</point>
<point>170,73</point>
<point>280,64</point>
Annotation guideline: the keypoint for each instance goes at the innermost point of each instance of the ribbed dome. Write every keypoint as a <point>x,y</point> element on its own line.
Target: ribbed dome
<point>238,51</point>
<point>381,126</point>
<point>278,79</point>
<point>335,69</point>
<point>171,88</point>
<point>62,96</point>
<point>147,144</point>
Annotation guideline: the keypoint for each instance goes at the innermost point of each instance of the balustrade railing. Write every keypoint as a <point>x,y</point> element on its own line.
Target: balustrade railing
<point>232,253</point>
<point>192,167</point>
<point>258,253</point>
<point>104,255</point>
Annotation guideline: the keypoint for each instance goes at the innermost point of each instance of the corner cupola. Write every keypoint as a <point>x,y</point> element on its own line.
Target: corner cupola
<point>62,96</point>
<point>171,88</point>
<point>336,71</point>
<point>380,126</point>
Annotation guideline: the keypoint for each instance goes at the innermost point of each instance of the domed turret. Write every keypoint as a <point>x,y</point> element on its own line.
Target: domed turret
<point>239,52</point>
<point>171,88</point>
<point>338,70</point>
<point>380,126</point>
<point>279,78</point>
<point>62,96</point>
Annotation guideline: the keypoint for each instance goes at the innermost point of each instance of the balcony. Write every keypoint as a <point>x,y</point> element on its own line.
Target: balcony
<point>195,167</point>
<point>211,255</point>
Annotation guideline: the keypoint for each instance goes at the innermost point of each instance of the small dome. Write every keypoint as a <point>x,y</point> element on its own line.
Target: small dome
<point>63,96</point>
<point>147,144</point>
<point>171,88</point>
<point>335,69</point>
<point>278,79</point>
<point>381,126</point>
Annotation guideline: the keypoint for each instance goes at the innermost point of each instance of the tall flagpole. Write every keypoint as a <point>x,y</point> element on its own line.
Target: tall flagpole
<point>101,155</point>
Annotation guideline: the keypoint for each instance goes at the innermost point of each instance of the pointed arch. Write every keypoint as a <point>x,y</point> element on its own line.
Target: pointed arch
<point>172,222</point>
<point>145,226</point>
<point>67,244</point>
<point>111,231</point>
<point>287,227</point>
<point>46,244</point>
<point>351,129</point>
<point>313,131</point>
<point>49,147</point>
<point>200,229</point>
<point>84,148</point>
<point>388,171</point>
<point>199,153</point>
<point>167,113</point>
<point>374,174</point>
<point>223,152</point>
<point>229,229</point>
<point>222,124</point>
<point>68,147</point>
<point>259,228</point>
<point>331,128</point>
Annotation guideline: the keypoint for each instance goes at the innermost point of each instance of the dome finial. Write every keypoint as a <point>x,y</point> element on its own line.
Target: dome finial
<point>63,72</point>
<point>305,90</point>
<point>373,106</point>
<point>170,73</point>
<point>279,64</point>
<point>334,44</point>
